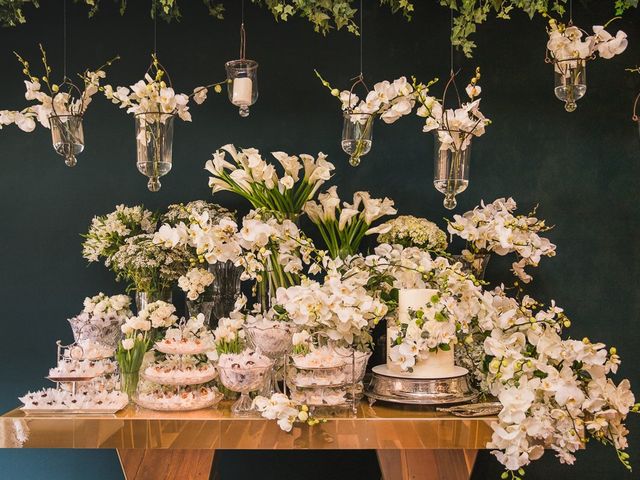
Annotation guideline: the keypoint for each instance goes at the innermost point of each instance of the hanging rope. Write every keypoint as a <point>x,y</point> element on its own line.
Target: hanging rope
<point>570,12</point>
<point>243,33</point>
<point>451,41</point>
<point>361,39</point>
<point>155,29</point>
<point>64,40</point>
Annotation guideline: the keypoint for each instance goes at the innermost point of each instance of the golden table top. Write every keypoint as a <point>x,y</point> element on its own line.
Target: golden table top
<point>374,427</point>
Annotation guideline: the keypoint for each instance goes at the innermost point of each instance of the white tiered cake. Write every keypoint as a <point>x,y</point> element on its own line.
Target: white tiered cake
<point>438,364</point>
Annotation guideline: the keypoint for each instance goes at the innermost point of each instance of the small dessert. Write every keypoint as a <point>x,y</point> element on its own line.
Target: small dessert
<point>94,401</point>
<point>181,370</point>
<point>174,398</point>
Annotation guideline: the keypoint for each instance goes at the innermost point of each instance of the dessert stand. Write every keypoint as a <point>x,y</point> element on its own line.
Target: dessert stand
<point>183,388</point>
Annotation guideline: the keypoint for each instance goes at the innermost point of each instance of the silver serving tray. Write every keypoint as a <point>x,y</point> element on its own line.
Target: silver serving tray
<point>420,391</point>
<point>48,412</point>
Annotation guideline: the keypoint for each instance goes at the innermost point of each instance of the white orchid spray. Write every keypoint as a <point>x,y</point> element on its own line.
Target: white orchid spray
<point>493,228</point>
<point>247,174</point>
<point>455,127</point>
<point>344,226</point>
<point>153,95</point>
<point>109,232</point>
<point>556,394</point>
<point>569,44</point>
<point>340,307</point>
<point>285,411</point>
<point>60,99</point>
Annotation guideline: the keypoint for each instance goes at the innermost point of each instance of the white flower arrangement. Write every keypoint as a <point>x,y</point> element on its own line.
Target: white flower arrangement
<point>343,227</point>
<point>455,127</point>
<point>229,334</point>
<point>195,282</point>
<point>410,231</point>
<point>251,177</point>
<point>155,315</point>
<point>493,228</point>
<point>58,100</point>
<point>106,309</point>
<point>193,211</point>
<point>148,266</point>
<point>108,233</point>
<point>569,43</point>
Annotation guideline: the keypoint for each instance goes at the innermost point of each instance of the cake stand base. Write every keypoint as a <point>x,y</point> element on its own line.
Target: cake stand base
<point>389,386</point>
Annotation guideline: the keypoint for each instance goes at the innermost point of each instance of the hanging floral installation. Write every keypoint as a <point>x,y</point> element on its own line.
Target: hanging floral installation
<point>155,104</point>
<point>454,129</point>
<point>388,101</point>
<point>59,107</point>
<point>569,48</point>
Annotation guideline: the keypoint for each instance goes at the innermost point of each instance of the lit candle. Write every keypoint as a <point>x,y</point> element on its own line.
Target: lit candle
<point>242,88</point>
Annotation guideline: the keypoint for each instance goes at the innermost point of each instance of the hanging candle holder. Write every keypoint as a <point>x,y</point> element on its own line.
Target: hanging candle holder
<point>67,134</point>
<point>357,128</point>
<point>154,136</point>
<point>242,79</point>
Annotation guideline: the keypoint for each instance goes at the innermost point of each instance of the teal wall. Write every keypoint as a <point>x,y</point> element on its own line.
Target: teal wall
<point>583,168</point>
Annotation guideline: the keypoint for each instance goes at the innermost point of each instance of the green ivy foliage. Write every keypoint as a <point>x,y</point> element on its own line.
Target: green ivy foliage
<point>327,15</point>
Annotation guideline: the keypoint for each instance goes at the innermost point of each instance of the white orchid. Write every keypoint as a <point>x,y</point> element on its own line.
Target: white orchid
<point>494,228</point>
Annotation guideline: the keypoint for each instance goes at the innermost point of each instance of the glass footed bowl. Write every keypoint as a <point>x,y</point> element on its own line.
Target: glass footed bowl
<point>356,368</point>
<point>244,379</point>
<point>273,340</point>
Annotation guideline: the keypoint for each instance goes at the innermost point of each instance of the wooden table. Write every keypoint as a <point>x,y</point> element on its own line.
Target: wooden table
<point>410,443</point>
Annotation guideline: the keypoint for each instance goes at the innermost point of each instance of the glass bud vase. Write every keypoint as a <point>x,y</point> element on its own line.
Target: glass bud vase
<point>67,136</point>
<point>129,383</point>
<point>357,132</point>
<point>451,171</point>
<point>570,81</point>
<point>242,84</point>
<point>145,298</point>
<point>225,288</point>
<point>154,145</point>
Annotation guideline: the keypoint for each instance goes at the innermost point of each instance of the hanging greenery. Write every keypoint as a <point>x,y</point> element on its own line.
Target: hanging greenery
<point>327,15</point>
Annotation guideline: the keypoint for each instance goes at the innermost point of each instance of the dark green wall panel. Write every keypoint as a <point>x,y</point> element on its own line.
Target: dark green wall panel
<point>583,168</point>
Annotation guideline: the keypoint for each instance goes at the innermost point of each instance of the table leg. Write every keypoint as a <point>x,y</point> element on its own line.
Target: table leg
<point>166,464</point>
<point>426,464</point>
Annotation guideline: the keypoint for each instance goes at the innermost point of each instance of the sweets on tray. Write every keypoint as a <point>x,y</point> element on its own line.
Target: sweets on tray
<point>180,370</point>
<point>53,399</point>
<point>175,398</point>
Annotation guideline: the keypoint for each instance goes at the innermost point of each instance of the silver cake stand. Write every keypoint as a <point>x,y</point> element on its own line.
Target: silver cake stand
<point>389,386</point>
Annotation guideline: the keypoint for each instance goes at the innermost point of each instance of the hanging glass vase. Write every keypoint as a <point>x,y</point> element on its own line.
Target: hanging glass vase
<point>67,136</point>
<point>357,132</point>
<point>145,298</point>
<point>225,289</point>
<point>451,170</point>
<point>242,84</point>
<point>154,140</point>
<point>570,81</point>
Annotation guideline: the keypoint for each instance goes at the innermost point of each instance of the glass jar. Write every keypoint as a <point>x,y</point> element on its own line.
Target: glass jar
<point>357,132</point>
<point>67,136</point>
<point>154,141</point>
<point>197,307</point>
<point>451,170</point>
<point>242,84</point>
<point>570,81</point>
<point>129,383</point>
<point>145,298</point>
